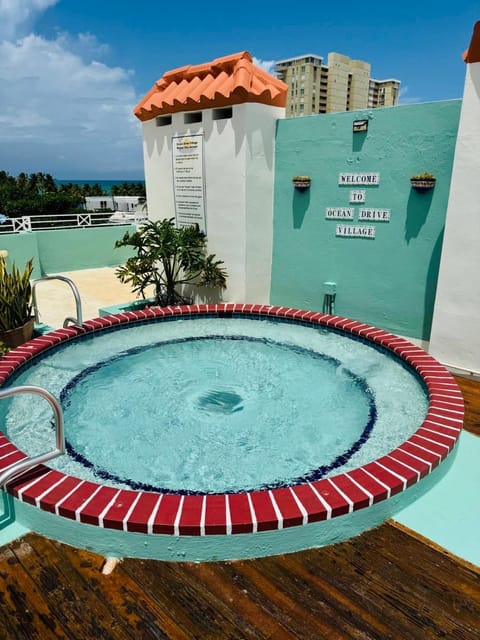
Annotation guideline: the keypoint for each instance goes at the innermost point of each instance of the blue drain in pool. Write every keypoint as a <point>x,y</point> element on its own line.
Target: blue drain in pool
<point>220,402</point>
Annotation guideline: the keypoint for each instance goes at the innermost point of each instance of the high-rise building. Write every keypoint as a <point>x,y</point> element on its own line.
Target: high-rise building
<point>342,84</point>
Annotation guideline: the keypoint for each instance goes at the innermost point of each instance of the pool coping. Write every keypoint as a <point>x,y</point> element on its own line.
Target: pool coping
<point>246,512</point>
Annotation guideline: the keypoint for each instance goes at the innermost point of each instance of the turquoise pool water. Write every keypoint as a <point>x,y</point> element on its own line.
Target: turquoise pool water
<point>218,405</point>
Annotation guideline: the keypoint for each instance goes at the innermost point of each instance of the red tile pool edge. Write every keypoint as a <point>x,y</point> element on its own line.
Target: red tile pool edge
<point>155,513</point>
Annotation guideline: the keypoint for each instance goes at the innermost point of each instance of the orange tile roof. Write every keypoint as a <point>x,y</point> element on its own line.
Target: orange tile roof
<point>472,54</point>
<point>226,81</point>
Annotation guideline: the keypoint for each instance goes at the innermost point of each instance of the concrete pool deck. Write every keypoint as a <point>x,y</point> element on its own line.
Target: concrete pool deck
<point>97,288</point>
<point>444,515</point>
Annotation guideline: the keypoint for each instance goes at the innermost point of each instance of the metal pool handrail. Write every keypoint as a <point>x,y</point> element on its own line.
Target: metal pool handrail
<point>76,295</point>
<point>23,465</point>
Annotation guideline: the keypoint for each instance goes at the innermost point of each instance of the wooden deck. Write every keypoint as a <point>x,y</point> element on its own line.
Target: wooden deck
<point>385,584</point>
<point>471,394</point>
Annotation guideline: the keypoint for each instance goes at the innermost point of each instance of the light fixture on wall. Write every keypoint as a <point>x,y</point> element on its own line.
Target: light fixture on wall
<point>360,125</point>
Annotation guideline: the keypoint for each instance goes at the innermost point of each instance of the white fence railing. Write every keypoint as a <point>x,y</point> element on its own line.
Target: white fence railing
<point>48,222</point>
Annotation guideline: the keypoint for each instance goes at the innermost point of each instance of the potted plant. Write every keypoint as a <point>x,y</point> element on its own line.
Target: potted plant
<point>16,320</point>
<point>167,259</point>
<point>423,182</point>
<point>301,182</point>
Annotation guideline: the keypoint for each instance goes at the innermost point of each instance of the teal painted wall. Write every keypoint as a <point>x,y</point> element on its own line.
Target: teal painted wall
<point>85,248</point>
<point>388,281</point>
<point>67,249</point>
<point>21,247</point>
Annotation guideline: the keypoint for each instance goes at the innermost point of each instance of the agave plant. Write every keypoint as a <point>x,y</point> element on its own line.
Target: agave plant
<point>15,295</point>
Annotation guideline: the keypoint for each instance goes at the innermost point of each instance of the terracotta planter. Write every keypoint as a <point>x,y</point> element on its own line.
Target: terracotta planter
<point>301,183</point>
<point>422,185</point>
<point>19,335</point>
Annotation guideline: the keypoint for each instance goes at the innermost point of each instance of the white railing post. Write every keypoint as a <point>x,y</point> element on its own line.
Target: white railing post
<point>22,224</point>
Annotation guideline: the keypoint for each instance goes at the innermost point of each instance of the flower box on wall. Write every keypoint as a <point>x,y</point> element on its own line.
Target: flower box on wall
<point>301,182</point>
<point>423,182</point>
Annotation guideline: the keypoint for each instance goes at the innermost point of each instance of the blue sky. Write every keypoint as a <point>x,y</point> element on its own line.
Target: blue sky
<point>72,70</point>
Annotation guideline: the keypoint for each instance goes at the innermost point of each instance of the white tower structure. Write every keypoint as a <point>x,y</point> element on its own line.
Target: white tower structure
<point>455,336</point>
<point>208,141</point>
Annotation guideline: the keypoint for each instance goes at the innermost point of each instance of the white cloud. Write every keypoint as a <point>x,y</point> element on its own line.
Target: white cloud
<point>83,44</point>
<point>16,15</point>
<point>404,98</point>
<point>266,65</point>
<point>62,111</point>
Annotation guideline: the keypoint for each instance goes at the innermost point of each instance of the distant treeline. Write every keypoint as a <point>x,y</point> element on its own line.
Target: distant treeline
<point>87,189</point>
<point>38,194</point>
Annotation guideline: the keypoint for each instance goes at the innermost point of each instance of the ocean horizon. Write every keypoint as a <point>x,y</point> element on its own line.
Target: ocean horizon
<point>106,185</point>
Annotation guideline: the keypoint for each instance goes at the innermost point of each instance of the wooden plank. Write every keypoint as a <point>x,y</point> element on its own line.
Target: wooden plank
<point>337,604</point>
<point>220,583</point>
<point>272,592</point>
<point>470,389</point>
<point>25,612</point>
<point>384,584</point>
<point>457,561</point>
<point>435,579</point>
<point>223,607</point>
<point>72,602</point>
<point>404,583</point>
<point>141,615</point>
<point>194,609</point>
<point>370,592</point>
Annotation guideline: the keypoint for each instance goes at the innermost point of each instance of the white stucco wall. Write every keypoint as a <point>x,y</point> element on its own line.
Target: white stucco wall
<point>260,127</point>
<point>225,197</point>
<point>157,160</point>
<point>239,170</point>
<point>455,336</point>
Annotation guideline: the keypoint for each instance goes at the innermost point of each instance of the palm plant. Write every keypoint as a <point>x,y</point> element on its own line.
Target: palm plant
<point>168,258</point>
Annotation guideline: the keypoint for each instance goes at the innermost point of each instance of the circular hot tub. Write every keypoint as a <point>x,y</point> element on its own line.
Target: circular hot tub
<point>185,425</point>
